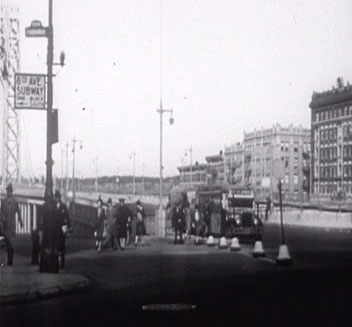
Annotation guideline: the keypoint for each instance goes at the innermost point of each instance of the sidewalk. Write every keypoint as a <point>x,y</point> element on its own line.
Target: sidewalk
<point>23,282</point>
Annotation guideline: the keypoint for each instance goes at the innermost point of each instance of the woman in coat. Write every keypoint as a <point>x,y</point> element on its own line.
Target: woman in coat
<point>99,226</point>
<point>199,225</point>
<point>140,225</point>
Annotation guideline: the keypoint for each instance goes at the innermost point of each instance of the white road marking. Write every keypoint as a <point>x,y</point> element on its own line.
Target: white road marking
<point>186,252</point>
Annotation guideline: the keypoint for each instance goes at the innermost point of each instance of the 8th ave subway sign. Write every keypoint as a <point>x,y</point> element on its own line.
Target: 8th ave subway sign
<point>30,91</point>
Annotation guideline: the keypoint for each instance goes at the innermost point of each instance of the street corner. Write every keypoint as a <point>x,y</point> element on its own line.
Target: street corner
<point>26,284</point>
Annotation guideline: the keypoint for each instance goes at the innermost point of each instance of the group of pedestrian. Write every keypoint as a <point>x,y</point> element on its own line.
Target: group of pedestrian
<point>53,225</point>
<point>113,227</point>
<point>48,240</point>
<point>188,220</point>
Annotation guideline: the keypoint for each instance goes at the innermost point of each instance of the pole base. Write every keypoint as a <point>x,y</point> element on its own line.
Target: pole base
<point>284,258</point>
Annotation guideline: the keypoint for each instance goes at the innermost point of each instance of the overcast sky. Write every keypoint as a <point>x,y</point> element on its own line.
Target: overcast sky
<point>228,67</point>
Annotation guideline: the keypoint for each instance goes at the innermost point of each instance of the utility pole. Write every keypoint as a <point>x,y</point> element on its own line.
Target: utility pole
<point>190,150</point>
<point>62,169</point>
<point>74,141</point>
<point>66,175</point>
<point>96,175</point>
<point>143,188</point>
<point>50,55</point>
<point>161,111</point>
<point>133,155</point>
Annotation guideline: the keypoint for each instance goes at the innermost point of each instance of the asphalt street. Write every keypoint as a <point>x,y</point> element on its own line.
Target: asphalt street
<point>225,288</point>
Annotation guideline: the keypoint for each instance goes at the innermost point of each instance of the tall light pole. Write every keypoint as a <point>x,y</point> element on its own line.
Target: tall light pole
<point>171,121</point>
<point>49,161</point>
<point>62,169</point>
<point>161,111</point>
<point>143,188</point>
<point>190,161</point>
<point>96,175</point>
<point>74,141</point>
<point>37,30</point>
<point>133,156</point>
<point>66,174</point>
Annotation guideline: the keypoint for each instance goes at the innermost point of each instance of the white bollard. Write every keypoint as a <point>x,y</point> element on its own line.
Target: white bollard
<point>210,241</point>
<point>258,251</point>
<point>284,258</point>
<point>223,243</point>
<point>235,245</point>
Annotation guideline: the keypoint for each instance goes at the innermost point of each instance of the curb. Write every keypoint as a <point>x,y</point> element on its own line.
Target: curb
<point>45,293</point>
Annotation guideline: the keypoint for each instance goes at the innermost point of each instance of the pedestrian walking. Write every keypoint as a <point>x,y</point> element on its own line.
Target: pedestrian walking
<point>179,223</point>
<point>8,211</point>
<point>124,215</point>
<point>199,225</point>
<point>140,225</point>
<point>63,224</point>
<point>99,226</point>
<point>111,222</point>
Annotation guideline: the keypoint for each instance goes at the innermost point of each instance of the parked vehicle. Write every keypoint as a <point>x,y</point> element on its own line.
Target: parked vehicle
<point>232,211</point>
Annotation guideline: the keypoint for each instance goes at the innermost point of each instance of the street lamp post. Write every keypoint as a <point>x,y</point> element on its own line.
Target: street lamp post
<point>143,185</point>
<point>74,141</point>
<point>133,155</point>
<point>190,162</point>
<point>171,121</point>
<point>37,30</point>
<point>50,55</point>
<point>66,173</point>
<point>96,175</point>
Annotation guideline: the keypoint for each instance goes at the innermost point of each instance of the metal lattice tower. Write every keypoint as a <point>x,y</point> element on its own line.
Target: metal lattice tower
<point>10,126</point>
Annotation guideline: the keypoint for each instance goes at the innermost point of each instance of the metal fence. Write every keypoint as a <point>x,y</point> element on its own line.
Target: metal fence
<point>29,208</point>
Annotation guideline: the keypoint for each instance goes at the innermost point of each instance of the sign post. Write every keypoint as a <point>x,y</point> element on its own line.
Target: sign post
<point>30,95</point>
<point>36,30</point>
<point>30,91</point>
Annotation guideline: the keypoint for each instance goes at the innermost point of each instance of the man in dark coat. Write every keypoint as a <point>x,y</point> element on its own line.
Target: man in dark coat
<point>140,225</point>
<point>63,223</point>
<point>124,215</point>
<point>179,221</point>
<point>9,209</point>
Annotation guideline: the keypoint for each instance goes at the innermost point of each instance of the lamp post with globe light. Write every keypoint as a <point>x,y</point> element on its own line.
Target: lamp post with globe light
<point>74,141</point>
<point>161,111</point>
<point>37,30</point>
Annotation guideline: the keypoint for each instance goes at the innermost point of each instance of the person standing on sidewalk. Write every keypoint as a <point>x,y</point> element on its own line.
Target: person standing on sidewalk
<point>9,208</point>
<point>99,225</point>
<point>179,222</point>
<point>124,215</point>
<point>111,220</point>
<point>140,226</point>
<point>63,222</point>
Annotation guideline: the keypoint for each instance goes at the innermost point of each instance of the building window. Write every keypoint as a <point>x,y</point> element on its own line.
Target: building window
<point>295,179</point>
<point>286,179</point>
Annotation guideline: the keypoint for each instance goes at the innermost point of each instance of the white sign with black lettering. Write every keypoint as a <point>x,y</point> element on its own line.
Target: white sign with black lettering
<point>30,91</point>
